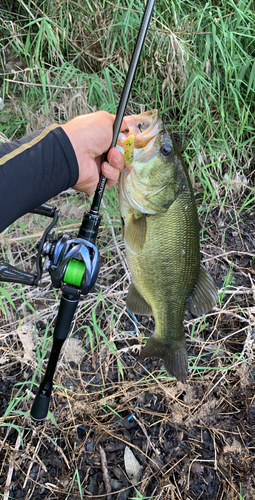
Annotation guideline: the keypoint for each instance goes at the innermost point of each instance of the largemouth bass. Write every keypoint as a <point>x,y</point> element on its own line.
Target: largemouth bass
<point>161,234</point>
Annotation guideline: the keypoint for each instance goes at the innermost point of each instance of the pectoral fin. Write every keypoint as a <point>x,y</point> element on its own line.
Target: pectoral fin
<point>135,233</point>
<point>136,303</point>
<point>204,295</point>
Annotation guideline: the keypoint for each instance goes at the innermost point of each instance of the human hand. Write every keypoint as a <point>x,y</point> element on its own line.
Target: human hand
<point>91,137</point>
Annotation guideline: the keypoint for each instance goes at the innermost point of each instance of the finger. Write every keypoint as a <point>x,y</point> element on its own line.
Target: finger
<point>111,173</point>
<point>116,159</point>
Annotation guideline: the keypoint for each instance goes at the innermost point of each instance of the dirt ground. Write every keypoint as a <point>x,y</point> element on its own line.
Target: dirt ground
<point>192,441</point>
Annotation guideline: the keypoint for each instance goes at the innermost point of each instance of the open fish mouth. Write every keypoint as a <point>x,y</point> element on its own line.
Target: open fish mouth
<point>139,144</point>
<point>144,129</point>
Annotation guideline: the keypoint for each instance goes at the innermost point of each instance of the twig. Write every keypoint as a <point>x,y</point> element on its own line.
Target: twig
<point>147,437</point>
<point>35,455</point>
<point>8,314</point>
<point>42,433</point>
<point>9,429</point>
<point>105,473</point>
<point>11,467</point>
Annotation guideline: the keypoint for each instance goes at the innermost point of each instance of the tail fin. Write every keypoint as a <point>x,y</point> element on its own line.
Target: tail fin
<point>174,356</point>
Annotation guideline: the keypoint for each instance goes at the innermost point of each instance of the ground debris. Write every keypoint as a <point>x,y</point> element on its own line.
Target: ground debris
<point>188,441</point>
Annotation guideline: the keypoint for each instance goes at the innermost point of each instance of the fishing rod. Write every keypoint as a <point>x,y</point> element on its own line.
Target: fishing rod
<point>72,262</point>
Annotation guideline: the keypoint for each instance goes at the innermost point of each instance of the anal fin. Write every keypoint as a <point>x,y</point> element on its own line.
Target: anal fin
<point>205,294</point>
<point>136,303</point>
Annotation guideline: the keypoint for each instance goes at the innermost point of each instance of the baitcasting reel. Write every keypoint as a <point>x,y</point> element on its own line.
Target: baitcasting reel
<point>73,265</point>
<point>70,261</point>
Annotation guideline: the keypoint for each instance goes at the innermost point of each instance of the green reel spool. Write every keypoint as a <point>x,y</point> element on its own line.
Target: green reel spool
<point>74,272</point>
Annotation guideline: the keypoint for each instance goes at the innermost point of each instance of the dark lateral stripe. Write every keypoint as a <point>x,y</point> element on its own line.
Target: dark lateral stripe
<point>35,140</point>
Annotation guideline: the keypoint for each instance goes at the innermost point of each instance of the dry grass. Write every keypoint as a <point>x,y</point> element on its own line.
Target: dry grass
<point>182,436</point>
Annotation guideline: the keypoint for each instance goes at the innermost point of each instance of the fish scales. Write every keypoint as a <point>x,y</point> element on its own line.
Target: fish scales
<point>173,261</point>
<point>161,234</point>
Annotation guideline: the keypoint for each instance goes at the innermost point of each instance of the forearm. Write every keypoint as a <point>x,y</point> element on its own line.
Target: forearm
<point>33,170</point>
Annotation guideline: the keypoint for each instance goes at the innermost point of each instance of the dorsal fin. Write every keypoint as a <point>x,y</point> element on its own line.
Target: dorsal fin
<point>205,294</point>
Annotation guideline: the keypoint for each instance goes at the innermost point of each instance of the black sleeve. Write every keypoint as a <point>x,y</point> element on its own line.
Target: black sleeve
<point>33,170</point>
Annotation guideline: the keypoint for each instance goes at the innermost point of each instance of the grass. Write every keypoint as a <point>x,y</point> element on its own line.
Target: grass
<point>197,67</point>
<point>59,59</point>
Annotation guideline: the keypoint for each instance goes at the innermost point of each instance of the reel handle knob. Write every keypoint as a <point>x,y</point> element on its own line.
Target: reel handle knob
<point>45,210</point>
<point>12,274</point>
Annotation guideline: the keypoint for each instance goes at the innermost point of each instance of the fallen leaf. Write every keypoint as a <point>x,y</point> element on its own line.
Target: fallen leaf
<point>73,350</point>
<point>132,466</point>
<point>235,447</point>
<point>27,340</point>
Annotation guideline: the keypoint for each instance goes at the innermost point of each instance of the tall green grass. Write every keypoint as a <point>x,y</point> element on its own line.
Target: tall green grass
<point>197,67</point>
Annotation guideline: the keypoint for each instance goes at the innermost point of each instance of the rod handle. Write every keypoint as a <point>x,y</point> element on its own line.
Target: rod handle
<point>40,407</point>
<point>66,312</point>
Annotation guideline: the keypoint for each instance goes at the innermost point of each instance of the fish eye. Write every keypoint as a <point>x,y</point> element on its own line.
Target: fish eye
<point>166,149</point>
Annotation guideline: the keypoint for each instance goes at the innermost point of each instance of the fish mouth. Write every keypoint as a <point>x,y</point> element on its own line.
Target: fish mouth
<point>145,129</point>
<point>133,187</point>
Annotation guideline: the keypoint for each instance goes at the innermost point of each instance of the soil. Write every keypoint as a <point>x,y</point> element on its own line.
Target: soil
<point>192,441</point>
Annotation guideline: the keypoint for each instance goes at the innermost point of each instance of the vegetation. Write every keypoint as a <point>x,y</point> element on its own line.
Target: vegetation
<point>60,58</point>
